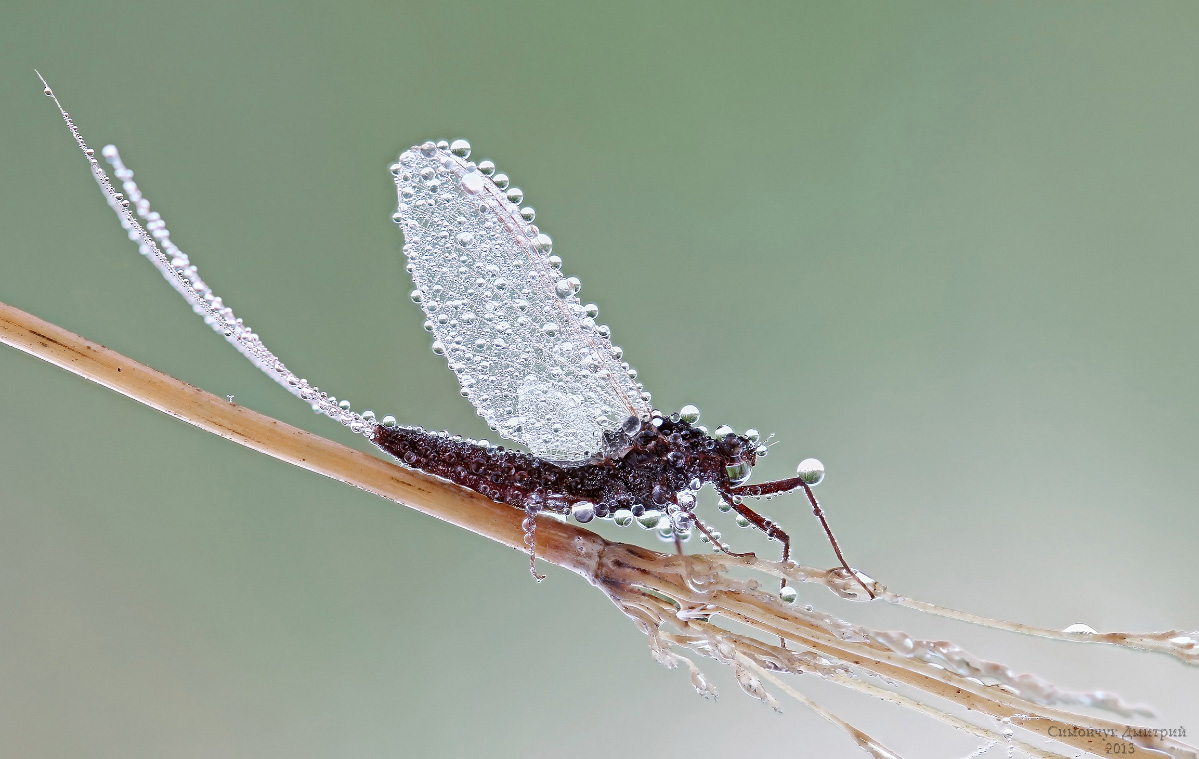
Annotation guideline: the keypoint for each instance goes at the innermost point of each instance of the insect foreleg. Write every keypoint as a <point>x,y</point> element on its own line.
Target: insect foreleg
<point>767,488</point>
<point>783,486</point>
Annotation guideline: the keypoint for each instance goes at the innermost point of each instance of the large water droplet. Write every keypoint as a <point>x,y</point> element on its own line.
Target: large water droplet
<point>460,148</point>
<point>811,471</point>
<point>689,414</point>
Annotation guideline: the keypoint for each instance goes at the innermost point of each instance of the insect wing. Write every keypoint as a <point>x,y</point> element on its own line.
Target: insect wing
<point>526,351</point>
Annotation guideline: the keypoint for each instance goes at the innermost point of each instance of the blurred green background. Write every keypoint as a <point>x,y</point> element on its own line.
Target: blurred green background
<point>948,248</point>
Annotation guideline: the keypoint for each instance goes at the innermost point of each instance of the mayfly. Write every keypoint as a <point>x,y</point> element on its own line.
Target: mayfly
<point>528,354</point>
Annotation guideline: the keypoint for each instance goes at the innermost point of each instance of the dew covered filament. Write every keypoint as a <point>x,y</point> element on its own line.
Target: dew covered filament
<point>155,243</point>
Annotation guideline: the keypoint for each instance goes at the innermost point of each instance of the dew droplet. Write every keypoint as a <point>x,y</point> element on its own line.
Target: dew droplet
<point>501,181</point>
<point>623,517</point>
<point>438,348</point>
<point>472,182</point>
<point>389,421</point>
<point>788,594</point>
<point>583,511</point>
<point>722,432</point>
<point>515,195</point>
<point>650,518</point>
<point>1078,627</point>
<point>527,213</point>
<point>738,472</point>
<point>689,414</point>
<point>811,471</point>
<point>752,435</point>
<point>550,329</point>
<point>545,243</point>
<point>487,167</point>
<point>465,239</point>
<point>460,148</point>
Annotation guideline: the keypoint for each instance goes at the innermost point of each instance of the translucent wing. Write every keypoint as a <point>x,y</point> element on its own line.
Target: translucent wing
<point>527,352</point>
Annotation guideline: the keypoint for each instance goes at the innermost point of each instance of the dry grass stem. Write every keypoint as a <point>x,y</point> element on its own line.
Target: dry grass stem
<point>677,600</point>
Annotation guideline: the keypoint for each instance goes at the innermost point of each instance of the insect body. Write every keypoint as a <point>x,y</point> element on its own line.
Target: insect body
<point>528,354</point>
<point>531,358</point>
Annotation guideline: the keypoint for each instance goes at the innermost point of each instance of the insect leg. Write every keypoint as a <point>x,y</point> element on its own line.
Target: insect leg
<point>772,530</point>
<point>704,529</point>
<point>782,486</point>
<point>530,526</point>
<point>767,488</point>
